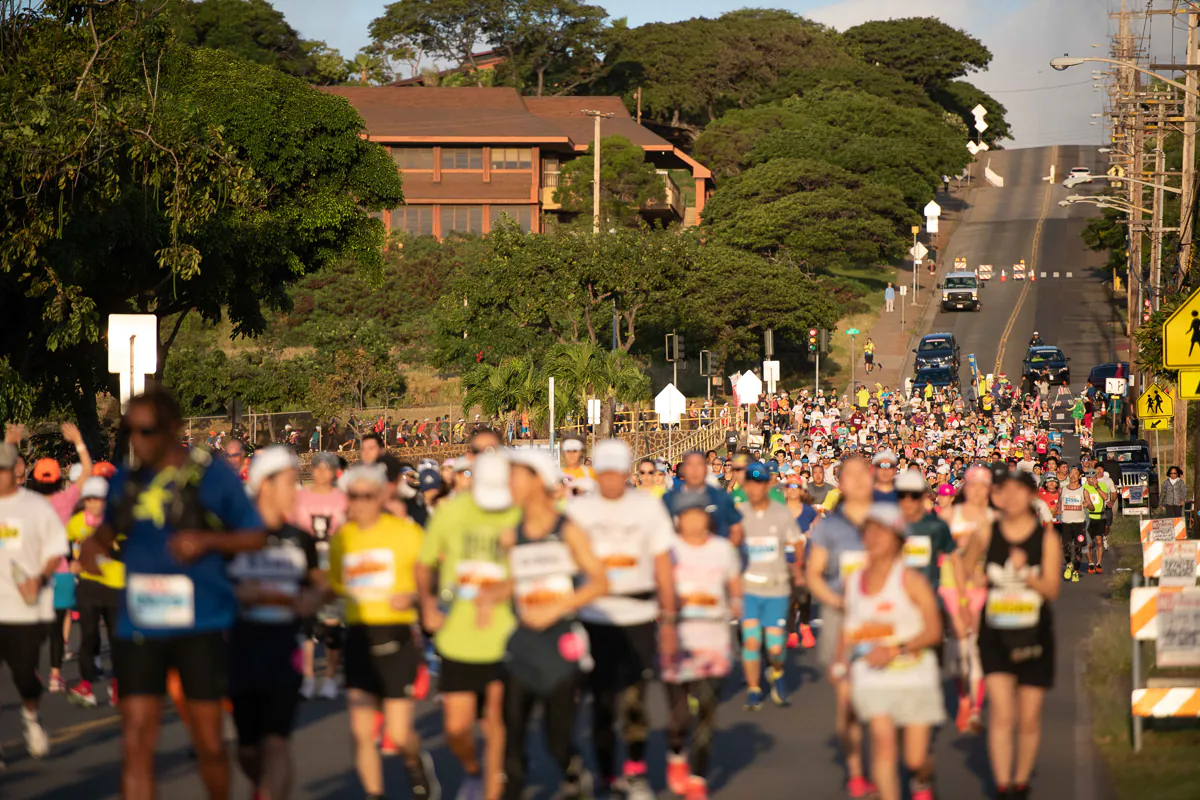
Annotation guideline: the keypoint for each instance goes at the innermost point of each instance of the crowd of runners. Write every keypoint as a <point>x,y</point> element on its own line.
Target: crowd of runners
<point>900,538</point>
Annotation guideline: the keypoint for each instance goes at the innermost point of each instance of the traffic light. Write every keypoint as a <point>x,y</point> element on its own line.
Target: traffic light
<point>1146,310</point>
<point>679,353</point>
<point>675,348</point>
<point>812,340</point>
<point>824,346</point>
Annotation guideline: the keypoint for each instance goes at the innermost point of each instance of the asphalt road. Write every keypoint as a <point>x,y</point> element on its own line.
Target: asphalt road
<point>777,753</point>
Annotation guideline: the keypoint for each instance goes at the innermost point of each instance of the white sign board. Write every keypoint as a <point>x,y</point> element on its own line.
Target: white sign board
<point>980,125</point>
<point>932,209</point>
<point>1115,385</point>
<point>903,289</point>
<point>979,112</point>
<point>132,351</point>
<point>593,411</point>
<point>771,374</point>
<point>749,388</point>
<point>1178,643</point>
<point>1178,564</point>
<point>918,251</point>
<point>931,224</point>
<point>670,405</point>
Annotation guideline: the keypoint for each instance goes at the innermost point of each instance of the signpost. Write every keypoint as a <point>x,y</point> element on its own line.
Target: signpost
<point>132,351</point>
<point>670,405</point>
<point>1115,386</point>
<point>1181,335</point>
<point>771,375</point>
<point>852,332</point>
<point>918,251</point>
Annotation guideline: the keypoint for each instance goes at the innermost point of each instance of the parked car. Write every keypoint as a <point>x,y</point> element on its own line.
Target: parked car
<point>937,350</point>
<point>1045,361</point>
<point>1132,469</point>
<point>1101,372</point>
<point>938,377</point>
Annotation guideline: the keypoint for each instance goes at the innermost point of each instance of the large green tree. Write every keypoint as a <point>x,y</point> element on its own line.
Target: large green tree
<point>143,175</point>
<point>552,46</point>
<point>925,50</point>
<point>252,29</point>
<point>443,30</point>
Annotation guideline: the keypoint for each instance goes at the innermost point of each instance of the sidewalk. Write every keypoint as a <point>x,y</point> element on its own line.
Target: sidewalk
<point>894,341</point>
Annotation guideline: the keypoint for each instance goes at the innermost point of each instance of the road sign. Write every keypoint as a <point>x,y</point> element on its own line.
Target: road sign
<point>1156,423</point>
<point>980,125</point>
<point>903,290</point>
<point>1115,385</point>
<point>932,209</point>
<point>918,251</point>
<point>1181,335</point>
<point>853,331</point>
<point>749,387</point>
<point>1155,402</point>
<point>979,112</point>
<point>670,404</point>
<point>931,224</point>
<point>132,351</point>
<point>1188,384</point>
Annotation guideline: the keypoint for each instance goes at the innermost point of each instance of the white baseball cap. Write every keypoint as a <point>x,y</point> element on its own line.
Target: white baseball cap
<point>93,487</point>
<point>267,463</point>
<point>572,446</point>
<point>540,461</point>
<point>490,484</point>
<point>612,455</point>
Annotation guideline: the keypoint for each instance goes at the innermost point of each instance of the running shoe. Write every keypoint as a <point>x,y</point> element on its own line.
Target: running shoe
<point>308,687</point>
<point>577,784</point>
<point>420,688</point>
<point>860,788</point>
<point>1019,792</point>
<point>925,793</point>
<point>963,720</point>
<point>471,788</point>
<point>81,695</point>
<point>386,746</point>
<point>423,779</point>
<point>678,774</point>
<point>807,640</point>
<point>778,686</point>
<point>57,685</point>
<point>1091,569</point>
<point>1067,573</point>
<point>793,640</point>
<point>975,722</point>
<point>697,789</point>
<point>638,788</point>
<point>329,689</point>
<point>754,700</point>
<point>1075,577</point>
<point>1099,569</point>
<point>36,740</point>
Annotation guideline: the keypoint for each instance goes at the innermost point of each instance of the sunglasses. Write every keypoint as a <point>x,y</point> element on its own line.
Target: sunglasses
<point>646,472</point>
<point>360,496</point>
<point>909,495</point>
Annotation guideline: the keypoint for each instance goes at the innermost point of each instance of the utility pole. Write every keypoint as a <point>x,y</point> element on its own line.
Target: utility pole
<point>597,116</point>
<point>1188,199</point>
<point>1154,290</point>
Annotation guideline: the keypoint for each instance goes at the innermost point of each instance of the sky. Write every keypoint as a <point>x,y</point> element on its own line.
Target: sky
<point>1044,106</point>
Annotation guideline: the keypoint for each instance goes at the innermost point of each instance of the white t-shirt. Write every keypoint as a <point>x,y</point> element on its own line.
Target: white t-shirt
<point>31,535</point>
<point>626,536</point>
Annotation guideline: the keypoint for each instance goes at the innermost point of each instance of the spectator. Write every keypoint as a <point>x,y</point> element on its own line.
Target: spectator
<point>1173,493</point>
<point>889,298</point>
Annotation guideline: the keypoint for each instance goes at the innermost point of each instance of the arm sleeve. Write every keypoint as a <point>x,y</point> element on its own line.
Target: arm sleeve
<point>729,511</point>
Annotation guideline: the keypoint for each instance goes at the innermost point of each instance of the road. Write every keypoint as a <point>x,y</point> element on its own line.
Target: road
<point>777,753</point>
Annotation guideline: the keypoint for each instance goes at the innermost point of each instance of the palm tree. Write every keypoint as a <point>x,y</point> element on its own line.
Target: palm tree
<point>587,370</point>
<point>502,390</point>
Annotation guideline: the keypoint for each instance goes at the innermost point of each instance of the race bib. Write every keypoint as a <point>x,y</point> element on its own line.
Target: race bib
<point>1072,503</point>
<point>161,601</point>
<point>10,534</point>
<point>850,562</point>
<point>1012,609</point>
<point>697,601</point>
<point>918,552</point>
<point>762,549</point>
<point>544,591</point>
<point>369,574</point>
<point>474,575</point>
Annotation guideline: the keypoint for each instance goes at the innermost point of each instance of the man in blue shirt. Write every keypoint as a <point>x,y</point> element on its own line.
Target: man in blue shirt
<point>727,520</point>
<point>182,514</point>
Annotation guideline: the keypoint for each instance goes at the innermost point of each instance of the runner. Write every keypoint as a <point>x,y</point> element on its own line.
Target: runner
<point>892,624</point>
<point>1016,639</point>
<point>1095,504</point>
<point>768,579</point>
<point>835,554</point>
<point>98,595</point>
<point>708,585</point>
<point>373,565</point>
<point>799,504</point>
<point>183,516</point>
<point>573,455</point>
<point>32,543</point>
<point>463,542</point>
<point>631,534</point>
<point>1071,505</point>
<point>277,587</point>
<point>548,653</point>
<point>694,474</point>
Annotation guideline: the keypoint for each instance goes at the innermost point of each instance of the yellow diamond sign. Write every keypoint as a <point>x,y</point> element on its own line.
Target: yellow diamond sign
<point>1155,402</point>
<point>1181,335</point>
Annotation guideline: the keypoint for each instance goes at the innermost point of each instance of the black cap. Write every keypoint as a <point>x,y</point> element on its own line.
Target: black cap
<point>393,466</point>
<point>999,471</point>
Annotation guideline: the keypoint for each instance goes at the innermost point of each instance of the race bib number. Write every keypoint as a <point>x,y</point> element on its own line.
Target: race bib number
<point>161,601</point>
<point>762,549</point>
<point>1072,503</point>
<point>850,562</point>
<point>10,534</point>
<point>369,574</point>
<point>698,601</point>
<point>544,591</point>
<point>1012,609</point>
<point>918,552</point>
<point>474,575</point>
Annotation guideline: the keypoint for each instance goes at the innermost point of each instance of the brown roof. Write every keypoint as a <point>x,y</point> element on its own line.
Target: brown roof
<point>567,113</point>
<point>447,113</point>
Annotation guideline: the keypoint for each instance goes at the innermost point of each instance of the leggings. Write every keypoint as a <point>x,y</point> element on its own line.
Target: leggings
<point>96,602</point>
<point>707,695</point>
<point>630,704</point>
<point>558,726</point>
<point>57,645</point>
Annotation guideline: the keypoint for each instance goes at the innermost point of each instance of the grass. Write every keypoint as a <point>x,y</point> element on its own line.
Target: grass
<point>836,365</point>
<point>1167,767</point>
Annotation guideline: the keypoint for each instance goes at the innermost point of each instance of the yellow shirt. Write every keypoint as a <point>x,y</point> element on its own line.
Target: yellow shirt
<point>864,397</point>
<point>582,471</point>
<point>368,567</point>
<point>112,573</point>
<point>831,500</point>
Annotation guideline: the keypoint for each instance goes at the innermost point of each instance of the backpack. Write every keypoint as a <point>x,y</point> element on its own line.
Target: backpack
<point>185,511</point>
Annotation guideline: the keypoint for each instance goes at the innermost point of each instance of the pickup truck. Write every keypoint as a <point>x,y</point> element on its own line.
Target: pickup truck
<point>1131,469</point>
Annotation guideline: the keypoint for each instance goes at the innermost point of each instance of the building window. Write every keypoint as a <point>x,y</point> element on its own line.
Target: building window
<point>550,172</point>
<point>462,158</point>
<point>512,157</point>
<point>413,157</point>
<point>522,215</point>
<point>414,220</point>
<point>463,219</point>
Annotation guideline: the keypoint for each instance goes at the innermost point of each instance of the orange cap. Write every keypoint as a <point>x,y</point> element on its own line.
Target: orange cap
<point>46,470</point>
<point>104,469</point>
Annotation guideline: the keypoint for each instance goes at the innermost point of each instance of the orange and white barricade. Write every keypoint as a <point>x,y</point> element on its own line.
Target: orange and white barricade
<point>1166,529</point>
<point>1184,702</point>
<point>985,272</point>
<point>1153,554</point>
<point>1019,270</point>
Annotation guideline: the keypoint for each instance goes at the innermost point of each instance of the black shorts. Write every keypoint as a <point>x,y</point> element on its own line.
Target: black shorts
<point>330,634</point>
<point>202,660</point>
<point>270,712</point>
<point>1096,529</point>
<point>624,655</point>
<point>460,676</point>
<point>1037,672</point>
<point>21,649</point>
<point>381,660</point>
<point>1070,532</point>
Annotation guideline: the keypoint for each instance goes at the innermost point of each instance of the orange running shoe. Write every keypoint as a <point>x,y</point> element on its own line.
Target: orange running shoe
<point>963,720</point>
<point>806,637</point>
<point>793,640</point>
<point>678,774</point>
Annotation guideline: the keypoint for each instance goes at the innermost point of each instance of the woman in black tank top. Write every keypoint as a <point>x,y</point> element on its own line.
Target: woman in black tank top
<point>1016,637</point>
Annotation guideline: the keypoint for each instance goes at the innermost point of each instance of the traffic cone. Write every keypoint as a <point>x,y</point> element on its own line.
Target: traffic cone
<point>1032,276</point>
<point>1003,277</point>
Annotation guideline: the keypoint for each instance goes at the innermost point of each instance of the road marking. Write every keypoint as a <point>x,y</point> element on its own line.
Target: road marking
<point>1037,241</point>
<point>70,732</point>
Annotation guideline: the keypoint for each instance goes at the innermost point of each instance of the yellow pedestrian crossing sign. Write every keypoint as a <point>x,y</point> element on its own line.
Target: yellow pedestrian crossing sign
<point>1156,424</point>
<point>1155,402</point>
<point>1181,335</point>
<point>1188,384</point>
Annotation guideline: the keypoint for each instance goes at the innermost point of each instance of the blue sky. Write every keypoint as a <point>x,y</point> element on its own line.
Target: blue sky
<point>1045,107</point>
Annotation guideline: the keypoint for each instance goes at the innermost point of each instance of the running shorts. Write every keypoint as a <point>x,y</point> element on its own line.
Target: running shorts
<point>381,660</point>
<point>21,649</point>
<point>200,658</point>
<point>624,654</point>
<point>462,676</point>
<point>771,612</point>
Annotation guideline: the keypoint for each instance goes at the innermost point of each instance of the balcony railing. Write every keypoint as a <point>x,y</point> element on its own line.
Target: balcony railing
<point>672,198</point>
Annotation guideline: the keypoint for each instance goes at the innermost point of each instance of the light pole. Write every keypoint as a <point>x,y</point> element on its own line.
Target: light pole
<point>1066,62</point>
<point>1071,183</point>
<point>1104,201</point>
<point>916,261</point>
<point>597,116</point>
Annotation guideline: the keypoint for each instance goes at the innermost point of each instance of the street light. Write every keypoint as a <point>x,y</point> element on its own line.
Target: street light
<point>1071,183</point>
<point>1107,202</point>
<point>1066,62</point>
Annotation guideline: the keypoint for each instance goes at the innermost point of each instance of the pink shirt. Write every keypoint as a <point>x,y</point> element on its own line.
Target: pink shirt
<point>64,502</point>
<point>320,513</point>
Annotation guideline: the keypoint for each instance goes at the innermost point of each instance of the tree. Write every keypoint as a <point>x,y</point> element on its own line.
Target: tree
<point>144,175</point>
<point>370,68</point>
<point>554,46</point>
<point>329,67</point>
<point>627,182</point>
<point>818,215</point>
<point>503,390</point>
<point>587,371</point>
<point>925,50</point>
<point>449,30</point>
<point>960,99</point>
<point>252,29</point>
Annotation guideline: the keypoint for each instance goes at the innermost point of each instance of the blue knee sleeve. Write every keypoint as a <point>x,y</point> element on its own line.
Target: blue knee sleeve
<point>749,655</point>
<point>774,640</point>
<point>751,633</point>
